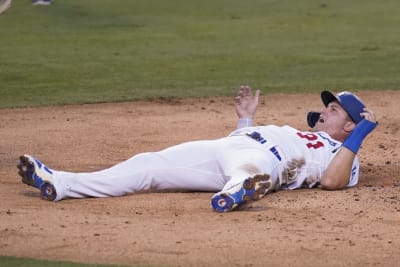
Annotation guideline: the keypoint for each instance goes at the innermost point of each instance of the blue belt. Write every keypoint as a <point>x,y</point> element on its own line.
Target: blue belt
<point>258,137</point>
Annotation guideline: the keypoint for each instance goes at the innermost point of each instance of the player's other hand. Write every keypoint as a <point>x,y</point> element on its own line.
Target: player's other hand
<point>246,102</point>
<point>369,115</point>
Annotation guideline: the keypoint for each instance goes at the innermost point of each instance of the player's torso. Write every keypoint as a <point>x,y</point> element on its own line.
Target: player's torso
<point>305,155</point>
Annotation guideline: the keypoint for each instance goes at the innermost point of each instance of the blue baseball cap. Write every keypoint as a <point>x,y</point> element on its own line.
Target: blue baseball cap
<point>349,101</point>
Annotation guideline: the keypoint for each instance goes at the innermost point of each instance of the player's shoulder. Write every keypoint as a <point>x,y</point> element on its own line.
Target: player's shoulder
<point>289,128</point>
<point>328,139</point>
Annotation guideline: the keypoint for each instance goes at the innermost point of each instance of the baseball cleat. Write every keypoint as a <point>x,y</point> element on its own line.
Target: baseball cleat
<point>251,189</point>
<point>36,174</point>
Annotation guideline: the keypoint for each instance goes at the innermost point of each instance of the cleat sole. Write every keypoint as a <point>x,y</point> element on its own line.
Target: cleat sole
<point>25,168</point>
<point>251,189</point>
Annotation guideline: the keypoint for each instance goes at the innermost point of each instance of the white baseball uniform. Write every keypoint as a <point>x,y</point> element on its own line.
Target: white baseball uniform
<point>292,158</point>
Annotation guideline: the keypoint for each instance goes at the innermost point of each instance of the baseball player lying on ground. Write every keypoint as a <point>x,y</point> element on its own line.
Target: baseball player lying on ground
<point>241,167</point>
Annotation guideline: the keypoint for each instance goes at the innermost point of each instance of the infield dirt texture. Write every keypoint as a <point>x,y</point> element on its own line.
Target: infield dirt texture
<point>352,227</point>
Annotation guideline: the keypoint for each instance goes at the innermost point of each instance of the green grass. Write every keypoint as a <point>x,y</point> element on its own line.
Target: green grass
<point>7,261</point>
<point>117,50</point>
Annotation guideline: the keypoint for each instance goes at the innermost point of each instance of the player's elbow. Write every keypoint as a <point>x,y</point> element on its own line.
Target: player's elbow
<point>330,182</point>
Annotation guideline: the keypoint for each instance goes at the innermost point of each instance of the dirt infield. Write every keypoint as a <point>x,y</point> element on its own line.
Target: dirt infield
<point>353,227</point>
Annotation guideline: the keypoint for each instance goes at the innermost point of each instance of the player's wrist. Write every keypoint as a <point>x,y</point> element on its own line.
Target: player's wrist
<point>354,140</point>
<point>244,122</point>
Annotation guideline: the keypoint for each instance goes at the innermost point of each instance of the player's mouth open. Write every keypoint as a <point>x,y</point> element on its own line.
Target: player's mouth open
<point>321,120</point>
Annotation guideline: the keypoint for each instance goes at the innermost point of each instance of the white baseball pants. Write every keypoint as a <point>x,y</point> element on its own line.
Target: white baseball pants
<point>209,165</point>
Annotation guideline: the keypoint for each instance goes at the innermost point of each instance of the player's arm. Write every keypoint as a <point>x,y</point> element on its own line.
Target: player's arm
<point>246,103</point>
<point>338,173</point>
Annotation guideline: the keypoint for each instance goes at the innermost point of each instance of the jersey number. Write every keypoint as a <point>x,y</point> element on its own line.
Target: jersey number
<point>313,140</point>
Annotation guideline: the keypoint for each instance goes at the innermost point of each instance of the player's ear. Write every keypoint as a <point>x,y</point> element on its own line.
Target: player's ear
<point>349,126</point>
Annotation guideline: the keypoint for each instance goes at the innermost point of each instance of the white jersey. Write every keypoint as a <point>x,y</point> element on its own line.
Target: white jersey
<point>304,156</point>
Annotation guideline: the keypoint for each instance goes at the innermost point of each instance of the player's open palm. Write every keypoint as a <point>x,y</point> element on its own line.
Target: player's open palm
<point>246,102</point>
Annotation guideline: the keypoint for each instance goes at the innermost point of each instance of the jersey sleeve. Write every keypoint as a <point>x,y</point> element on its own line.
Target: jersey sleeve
<point>355,172</point>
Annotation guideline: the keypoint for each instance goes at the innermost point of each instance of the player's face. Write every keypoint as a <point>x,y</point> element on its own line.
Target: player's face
<point>335,121</point>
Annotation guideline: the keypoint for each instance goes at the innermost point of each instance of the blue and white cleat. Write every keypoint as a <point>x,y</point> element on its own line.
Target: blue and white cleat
<point>251,189</point>
<point>36,174</point>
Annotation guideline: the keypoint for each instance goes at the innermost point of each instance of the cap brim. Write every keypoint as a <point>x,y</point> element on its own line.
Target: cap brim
<point>327,97</point>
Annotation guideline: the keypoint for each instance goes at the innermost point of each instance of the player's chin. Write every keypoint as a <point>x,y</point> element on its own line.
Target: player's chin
<point>318,127</point>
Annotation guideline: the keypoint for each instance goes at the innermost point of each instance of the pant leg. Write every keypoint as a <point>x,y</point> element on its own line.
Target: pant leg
<point>249,158</point>
<point>211,165</point>
<point>188,166</point>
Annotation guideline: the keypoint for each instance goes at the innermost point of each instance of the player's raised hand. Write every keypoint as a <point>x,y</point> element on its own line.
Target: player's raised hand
<point>246,102</point>
<point>369,115</point>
